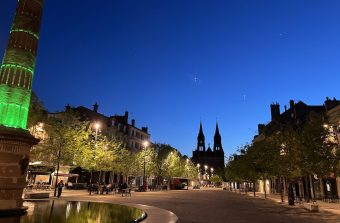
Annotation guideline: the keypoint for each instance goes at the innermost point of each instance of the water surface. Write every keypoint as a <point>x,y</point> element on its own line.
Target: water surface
<point>60,211</point>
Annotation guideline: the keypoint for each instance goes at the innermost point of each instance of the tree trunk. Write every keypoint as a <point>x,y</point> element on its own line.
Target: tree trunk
<point>284,186</point>
<point>281,188</point>
<point>307,188</point>
<point>254,188</point>
<point>100,176</point>
<point>311,187</point>
<point>264,188</point>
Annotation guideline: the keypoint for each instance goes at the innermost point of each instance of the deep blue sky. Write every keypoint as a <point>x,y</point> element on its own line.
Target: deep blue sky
<point>172,63</point>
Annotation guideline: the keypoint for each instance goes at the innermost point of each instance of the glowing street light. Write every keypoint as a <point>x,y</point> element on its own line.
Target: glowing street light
<point>145,143</point>
<point>96,126</point>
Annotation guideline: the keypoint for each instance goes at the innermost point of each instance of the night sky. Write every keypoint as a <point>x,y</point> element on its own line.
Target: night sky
<point>172,63</point>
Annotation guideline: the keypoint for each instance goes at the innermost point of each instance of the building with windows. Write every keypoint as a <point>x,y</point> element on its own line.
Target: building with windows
<point>116,126</point>
<point>296,116</point>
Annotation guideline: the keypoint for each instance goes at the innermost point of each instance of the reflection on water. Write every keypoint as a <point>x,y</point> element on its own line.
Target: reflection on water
<point>59,211</point>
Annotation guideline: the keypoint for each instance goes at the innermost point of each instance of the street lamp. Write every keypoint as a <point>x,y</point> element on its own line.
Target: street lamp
<point>56,179</point>
<point>282,153</point>
<point>145,143</point>
<point>198,170</point>
<point>96,126</point>
<point>205,168</point>
<point>211,171</point>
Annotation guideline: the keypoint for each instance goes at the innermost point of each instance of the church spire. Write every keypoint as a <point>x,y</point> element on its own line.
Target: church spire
<point>201,139</point>
<point>217,140</point>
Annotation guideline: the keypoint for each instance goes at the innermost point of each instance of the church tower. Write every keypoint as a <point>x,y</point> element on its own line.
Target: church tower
<point>217,140</point>
<point>201,140</point>
<point>210,160</point>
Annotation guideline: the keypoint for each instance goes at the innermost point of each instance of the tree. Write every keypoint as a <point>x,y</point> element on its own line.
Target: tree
<point>37,113</point>
<point>148,156</point>
<point>163,167</point>
<point>67,135</point>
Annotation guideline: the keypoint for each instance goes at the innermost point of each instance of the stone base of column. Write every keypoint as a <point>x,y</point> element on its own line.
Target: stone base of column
<point>15,145</point>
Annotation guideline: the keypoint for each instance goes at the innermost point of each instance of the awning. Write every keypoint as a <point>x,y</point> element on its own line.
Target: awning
<point>66,175</point>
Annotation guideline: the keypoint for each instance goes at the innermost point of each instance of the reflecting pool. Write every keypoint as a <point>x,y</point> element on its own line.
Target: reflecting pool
<point>59,211</point>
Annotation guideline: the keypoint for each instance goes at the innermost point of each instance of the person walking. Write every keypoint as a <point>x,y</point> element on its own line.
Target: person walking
<point>60,188</point>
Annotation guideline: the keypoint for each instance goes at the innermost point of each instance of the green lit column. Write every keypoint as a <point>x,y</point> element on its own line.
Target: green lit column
<point>17,69</point>
<point>16,75</point>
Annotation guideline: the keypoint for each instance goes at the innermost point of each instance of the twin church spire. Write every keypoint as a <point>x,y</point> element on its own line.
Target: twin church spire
<point>201,140</point>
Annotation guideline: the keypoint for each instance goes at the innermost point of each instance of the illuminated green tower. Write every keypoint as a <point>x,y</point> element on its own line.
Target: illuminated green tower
<point>16,74</point>
<point>17,69</point>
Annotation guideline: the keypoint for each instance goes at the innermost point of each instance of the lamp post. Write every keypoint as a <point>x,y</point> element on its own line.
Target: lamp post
<point>187,168</point>
<point>282,153</point>
<point>56,179</point>
<point>211,171</point>
<point>96,126</point>
<point>145,185</point>
<point>205,168</point>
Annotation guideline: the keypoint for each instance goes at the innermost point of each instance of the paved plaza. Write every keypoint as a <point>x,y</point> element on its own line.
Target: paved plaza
<point>215,205</point>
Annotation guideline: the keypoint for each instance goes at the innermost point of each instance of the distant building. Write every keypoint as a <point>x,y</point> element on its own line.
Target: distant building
<point>116,126</point>
<point>295,115</point>
<point>210,158</point>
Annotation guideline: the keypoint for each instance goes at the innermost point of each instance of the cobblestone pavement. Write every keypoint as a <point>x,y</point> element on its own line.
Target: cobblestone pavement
<point>215,206</point>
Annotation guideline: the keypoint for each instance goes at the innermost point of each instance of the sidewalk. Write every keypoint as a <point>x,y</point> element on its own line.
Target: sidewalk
<point>323,206</point>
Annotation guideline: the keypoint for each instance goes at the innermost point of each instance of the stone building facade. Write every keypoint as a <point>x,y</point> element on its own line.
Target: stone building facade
<point>116,126</point>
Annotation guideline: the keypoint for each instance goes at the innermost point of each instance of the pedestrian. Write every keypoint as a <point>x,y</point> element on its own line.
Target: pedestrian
<point>60,188</point>
<point>125,186</point>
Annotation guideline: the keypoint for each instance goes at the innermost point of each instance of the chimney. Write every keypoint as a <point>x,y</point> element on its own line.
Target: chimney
<point>261,128</point>
<point>329,104</point>
<point>145,129</point>
<point>67,107</point>
<point>95,107</point>
<point>126,117</point>
<point>291,103</point>
<point>133,122</point>
<point>275,112</point>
